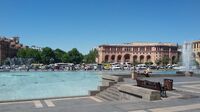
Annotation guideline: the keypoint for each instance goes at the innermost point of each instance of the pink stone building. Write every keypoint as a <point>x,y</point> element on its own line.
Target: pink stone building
<point>141,52</point>
<point>9,47</point>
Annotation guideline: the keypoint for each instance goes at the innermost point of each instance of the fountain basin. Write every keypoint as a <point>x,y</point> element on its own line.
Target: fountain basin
<point>186,73</point>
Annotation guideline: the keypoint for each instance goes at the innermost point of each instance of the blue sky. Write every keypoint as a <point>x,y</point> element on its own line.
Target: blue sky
<point>85,24</point>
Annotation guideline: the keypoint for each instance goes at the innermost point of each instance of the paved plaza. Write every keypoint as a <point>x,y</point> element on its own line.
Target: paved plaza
<point>185,98</point>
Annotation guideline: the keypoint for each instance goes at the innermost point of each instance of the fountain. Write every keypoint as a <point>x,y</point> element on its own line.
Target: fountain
<point>187,59</point>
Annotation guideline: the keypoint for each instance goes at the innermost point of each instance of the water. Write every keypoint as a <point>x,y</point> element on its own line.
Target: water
<point>187,56</point>
<point>34,85</point>
<point>169,72</point>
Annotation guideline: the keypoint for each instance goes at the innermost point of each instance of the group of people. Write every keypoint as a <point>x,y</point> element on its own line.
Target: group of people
<point>144,72</point>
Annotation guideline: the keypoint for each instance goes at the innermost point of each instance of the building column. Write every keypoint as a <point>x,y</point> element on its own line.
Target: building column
<point>144,59</point>
<point>109,59</point>
<point>131,58</point>
<point>115,59</point>
<point>122,59</point>
<point>138,58</point>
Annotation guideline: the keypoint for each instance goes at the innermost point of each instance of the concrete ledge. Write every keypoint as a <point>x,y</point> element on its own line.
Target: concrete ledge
<point>101,88</point>
<point>93,92</point>
<point>108,82</point>
<point>112,78</point>
<point>144,93</point>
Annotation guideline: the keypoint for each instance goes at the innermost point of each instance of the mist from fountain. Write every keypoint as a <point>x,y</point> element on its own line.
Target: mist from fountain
<point>187,56</point>
<point>187,59</point>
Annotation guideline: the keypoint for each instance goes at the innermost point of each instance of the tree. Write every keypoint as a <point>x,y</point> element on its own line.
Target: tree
<point>165,60</point>
<point>29,53</point>
<point>91,56</point>
<point>51,60</point>
<point>22,53</point>
<point>196,63</point>
<point>37,56</point>
<point>75,56</point>
<point>47,55</point>
<point>65,58</point>
<point>58,55</point>
<point>158,62</point>
<point>7,61</point>
<point>148,63</point>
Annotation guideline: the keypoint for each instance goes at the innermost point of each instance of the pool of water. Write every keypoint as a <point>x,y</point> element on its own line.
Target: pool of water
<point>168,72</point>
<point>35,85</point>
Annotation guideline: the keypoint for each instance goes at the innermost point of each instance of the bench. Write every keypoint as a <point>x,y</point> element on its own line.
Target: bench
<point>144,93</point>
<point>152,85</point>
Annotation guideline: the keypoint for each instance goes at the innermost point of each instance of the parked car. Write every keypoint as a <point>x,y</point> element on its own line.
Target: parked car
<point>107,66</point>
<point>153,67</point>
<point>141,67</point>
<point>126,67</point>
<point>116,67</point>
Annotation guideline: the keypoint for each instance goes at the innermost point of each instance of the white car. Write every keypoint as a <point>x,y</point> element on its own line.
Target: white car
<point>116,67</point>
<point>126,67</point>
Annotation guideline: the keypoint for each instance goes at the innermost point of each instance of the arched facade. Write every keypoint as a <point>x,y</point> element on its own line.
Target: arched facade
<point>127,58</point>
<point>113,58</point>
<point>148,58</point>
<point>174,60</point>
<point>136,52</point>
<point>135,58</point>
<point>119,58</point>
<point>142,59</point>
<point>106,58</point>
<point>196,50</point>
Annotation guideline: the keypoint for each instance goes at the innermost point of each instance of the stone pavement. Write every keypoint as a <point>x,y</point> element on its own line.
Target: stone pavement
<point>186,98</point>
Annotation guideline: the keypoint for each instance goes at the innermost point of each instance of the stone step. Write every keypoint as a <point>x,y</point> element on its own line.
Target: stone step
<point>100,98</point>
<point>115,86</point>
<point>105,97</point>
<point>111,96</point>
<point>110,91</point>
<point>113,89</point>
<point>101,88</point>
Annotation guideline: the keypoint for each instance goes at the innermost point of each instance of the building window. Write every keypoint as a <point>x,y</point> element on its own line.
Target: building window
<point>142,48</point>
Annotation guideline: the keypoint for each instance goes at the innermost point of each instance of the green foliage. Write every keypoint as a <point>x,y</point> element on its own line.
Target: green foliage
<point>158,62</point>
<point>149,63</point>
<point>6,62</point>
<point>29,53</point>
<point>59,55</point>
<point>22,53</point>
<point>65,58</point>
<point>165,60</point>
<point>47,54</point>
<point>75,56</point>
<point>91,56</point>
<point>196,63</point>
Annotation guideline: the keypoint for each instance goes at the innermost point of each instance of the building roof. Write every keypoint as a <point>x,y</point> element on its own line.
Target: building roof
<point>142,44</point>
<point>195,41</point>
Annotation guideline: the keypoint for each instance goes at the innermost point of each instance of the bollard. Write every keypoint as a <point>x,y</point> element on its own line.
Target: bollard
<point>168,83</point>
